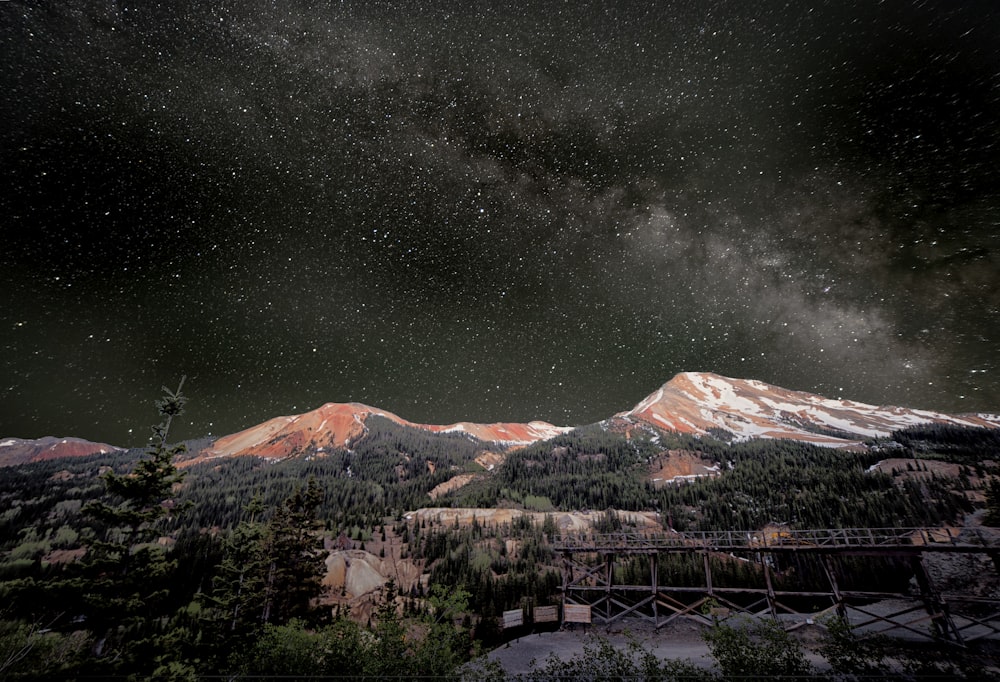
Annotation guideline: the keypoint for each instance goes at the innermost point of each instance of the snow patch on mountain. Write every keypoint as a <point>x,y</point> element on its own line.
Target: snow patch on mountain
<point>694,402</point>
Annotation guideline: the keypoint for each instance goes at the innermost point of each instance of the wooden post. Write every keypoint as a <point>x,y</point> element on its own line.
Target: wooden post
<point>936,608</point>
<point>708,574</point>
<point>771,605</point>
<point>607,586</point>
<point>831,576</point>
<point>656,588</point>
<point>567,578</point>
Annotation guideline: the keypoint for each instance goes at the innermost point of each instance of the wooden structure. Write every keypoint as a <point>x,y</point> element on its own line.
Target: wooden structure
<point>797,576</point>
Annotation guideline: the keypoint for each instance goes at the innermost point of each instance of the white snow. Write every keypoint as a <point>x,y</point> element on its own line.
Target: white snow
<point>649,401</point>
<point>544,430</point>
<point>727,399</point>
<point>685,477</point>
<point>8,443</point>
<point>751,429</point>
<point>688,422</point>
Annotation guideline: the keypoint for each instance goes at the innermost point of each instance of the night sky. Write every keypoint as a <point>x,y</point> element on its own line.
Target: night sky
<point>491,211</point>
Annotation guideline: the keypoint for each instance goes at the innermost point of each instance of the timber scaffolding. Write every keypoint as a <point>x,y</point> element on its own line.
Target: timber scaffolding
<point>775,557</point>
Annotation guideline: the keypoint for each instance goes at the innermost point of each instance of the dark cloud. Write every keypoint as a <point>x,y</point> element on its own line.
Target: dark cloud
<point>481,211</point>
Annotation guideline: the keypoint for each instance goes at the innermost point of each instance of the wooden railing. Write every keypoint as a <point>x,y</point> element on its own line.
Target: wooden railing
<point>933,539</point>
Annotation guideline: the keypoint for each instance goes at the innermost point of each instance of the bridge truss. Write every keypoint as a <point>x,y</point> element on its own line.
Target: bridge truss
<point>793,576</point>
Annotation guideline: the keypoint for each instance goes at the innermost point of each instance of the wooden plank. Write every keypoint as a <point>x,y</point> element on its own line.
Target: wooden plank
<point>513,618</point>
<point>574,613</point>
<point>546,614</point>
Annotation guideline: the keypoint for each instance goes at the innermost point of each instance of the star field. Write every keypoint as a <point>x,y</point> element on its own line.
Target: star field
<point>482,211</point>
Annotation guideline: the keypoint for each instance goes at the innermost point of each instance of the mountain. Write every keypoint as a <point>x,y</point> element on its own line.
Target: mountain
<point>698,402</point>
<point>691,402</point>
<point>336,425</point>
<point>14,451</point>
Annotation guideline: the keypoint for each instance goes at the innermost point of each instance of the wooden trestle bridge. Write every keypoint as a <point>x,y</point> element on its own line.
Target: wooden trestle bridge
<point>794,576</point>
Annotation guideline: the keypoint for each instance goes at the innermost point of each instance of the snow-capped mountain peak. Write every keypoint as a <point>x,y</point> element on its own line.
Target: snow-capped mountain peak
<point>695,402</point>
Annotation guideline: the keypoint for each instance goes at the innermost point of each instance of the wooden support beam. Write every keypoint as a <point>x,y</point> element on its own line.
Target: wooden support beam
<point>708,574</point>
<point>937,609</point>
<point>831,575</point>
<point>771,602</point>
<point>630,608</point>
<point>653,563</point>
<point>589,563</point>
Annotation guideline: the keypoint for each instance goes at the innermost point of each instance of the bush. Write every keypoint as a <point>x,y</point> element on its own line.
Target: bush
<point>602,660</point>
<point>758,649</point>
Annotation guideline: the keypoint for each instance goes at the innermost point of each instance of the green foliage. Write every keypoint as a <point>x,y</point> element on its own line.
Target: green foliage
<point>383,474</point>
<point>586,468</point>
<point>287,650</point>
<point>269,575</point>
<point>603,661</point>
<point>393,648</point>
<point>950,442</point>
<point>250,548</point>
<point>144,494</point>
<point>538,503</point>
<point>880,657</point>
<point>434,648</point>
<point>235,602</point>
<point>29,650</point>
<point>993,503</point>
<point>476,557</point>
<point>295,565</point>
<point>853,656</point>
<point>757,649</point>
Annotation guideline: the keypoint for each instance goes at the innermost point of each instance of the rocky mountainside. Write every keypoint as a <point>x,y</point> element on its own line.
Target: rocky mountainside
<point>14,451</point>
<point>691,402</point>
<point>698,402</point>
<point>337,425</point>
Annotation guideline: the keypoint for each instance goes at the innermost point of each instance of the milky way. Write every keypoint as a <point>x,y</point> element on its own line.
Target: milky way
<point>491,211</point>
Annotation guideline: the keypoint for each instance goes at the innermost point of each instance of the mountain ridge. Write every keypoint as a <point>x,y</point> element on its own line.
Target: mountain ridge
<point>691,402</point>
<point>335,425</point>
<point>700,403</point>
<point>14,451</point>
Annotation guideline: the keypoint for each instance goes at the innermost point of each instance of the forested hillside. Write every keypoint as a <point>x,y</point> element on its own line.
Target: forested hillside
<point>124,563</point>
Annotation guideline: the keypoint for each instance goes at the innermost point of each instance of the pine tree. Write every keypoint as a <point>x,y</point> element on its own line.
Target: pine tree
<point>993,503</point>
<point>295,565</point>
<point>125,574</point>
<point>145,491</point>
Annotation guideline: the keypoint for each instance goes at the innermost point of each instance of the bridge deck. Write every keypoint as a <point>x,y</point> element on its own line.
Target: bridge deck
<point>590,588</point>
<point>912,539</point>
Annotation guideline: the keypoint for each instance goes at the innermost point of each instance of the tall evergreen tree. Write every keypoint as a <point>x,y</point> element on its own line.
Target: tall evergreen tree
<point>295,563</point>
<point>125,574</point>
<point>144,492</point>
<point>993,502</point>
<point>270,575</point>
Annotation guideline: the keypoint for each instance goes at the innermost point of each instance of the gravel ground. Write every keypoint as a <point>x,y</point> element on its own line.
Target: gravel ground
<point>679,641</point>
